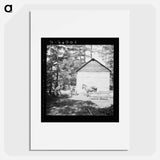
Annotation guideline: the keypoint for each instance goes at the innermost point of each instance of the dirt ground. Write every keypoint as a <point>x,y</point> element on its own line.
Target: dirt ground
<point>95,104</point>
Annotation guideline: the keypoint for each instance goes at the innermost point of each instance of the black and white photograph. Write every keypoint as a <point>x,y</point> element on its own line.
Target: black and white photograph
<point>80,79</point>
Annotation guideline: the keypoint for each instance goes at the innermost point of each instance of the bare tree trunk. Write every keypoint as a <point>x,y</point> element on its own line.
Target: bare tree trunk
<point>91,51</point>
<point>57,74</point>
<point>50,87</point>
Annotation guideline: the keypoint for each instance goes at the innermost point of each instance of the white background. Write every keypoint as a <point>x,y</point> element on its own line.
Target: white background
<point>79,23</point>
<point>144,36</point>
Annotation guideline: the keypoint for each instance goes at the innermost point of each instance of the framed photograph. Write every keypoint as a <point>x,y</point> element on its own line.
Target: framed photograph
<point>80,79</point>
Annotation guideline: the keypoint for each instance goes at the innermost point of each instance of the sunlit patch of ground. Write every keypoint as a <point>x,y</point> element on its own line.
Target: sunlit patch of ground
<point>95,104</point>
<point>101,101</point>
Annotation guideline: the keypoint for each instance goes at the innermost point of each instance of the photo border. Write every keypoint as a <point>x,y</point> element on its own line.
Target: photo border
<point>80,41</point>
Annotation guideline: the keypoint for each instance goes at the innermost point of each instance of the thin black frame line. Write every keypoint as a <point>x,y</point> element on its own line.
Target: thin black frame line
<point>97,150</point>
<point>88,150</point>
<point>29,80</point>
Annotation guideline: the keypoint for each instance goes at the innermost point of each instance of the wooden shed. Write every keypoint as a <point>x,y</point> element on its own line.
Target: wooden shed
<point>93,73</point>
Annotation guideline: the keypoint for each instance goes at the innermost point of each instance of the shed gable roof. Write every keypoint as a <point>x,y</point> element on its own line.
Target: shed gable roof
<point>93,66</point>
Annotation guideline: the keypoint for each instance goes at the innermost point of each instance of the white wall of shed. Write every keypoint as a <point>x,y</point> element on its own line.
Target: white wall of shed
<point>101,80</point>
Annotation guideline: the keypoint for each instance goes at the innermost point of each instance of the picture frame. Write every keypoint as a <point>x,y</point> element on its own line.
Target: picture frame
<point>80,118</point>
